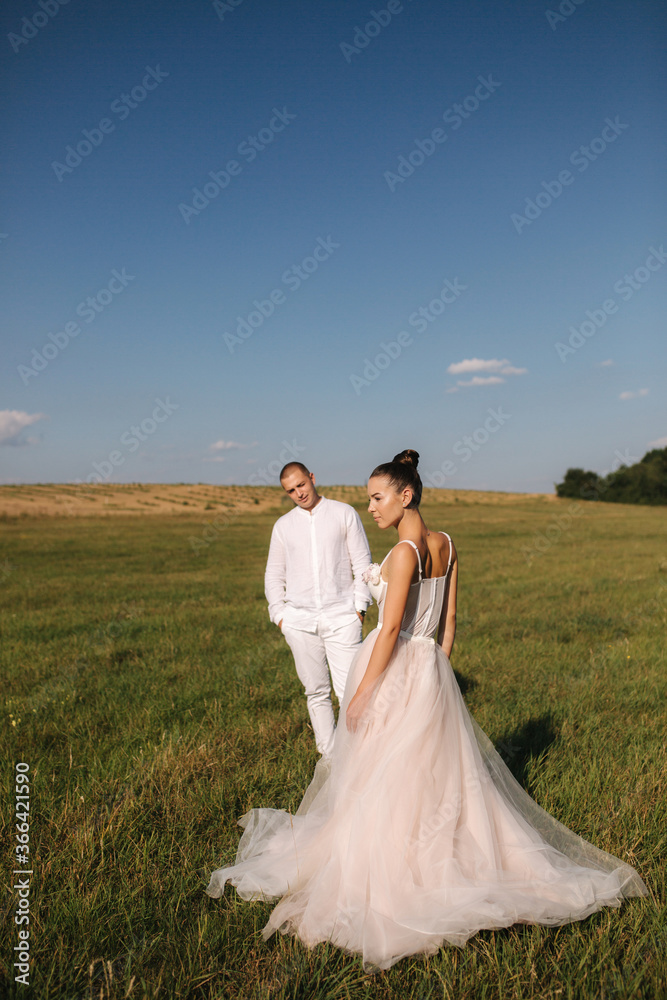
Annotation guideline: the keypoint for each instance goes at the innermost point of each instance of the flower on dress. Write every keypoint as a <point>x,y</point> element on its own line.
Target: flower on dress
<point>372,574</point>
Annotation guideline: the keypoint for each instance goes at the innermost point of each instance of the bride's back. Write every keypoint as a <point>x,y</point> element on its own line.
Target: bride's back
<point>437,557</point>
<point>425,602</point>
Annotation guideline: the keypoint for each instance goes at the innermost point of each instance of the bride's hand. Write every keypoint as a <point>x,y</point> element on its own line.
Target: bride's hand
<point>356,709</point>
<point>352,714</point>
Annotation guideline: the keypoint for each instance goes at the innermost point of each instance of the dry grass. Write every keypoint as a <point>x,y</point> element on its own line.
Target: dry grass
<point>108,499</point>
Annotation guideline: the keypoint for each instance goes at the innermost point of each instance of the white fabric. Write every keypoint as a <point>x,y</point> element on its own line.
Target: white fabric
<point>313,571</point>
<point>314,655</point>
<point>416,833</point>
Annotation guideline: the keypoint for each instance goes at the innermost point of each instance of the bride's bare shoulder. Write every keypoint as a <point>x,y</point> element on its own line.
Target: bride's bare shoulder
<point>401,559</point>
<point>440,545</point>
<point>449,544</point>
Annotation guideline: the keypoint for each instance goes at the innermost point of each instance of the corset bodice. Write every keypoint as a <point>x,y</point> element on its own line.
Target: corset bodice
<point>425,599</point>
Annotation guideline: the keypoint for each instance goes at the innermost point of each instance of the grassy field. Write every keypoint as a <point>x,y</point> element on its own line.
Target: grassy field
<point>155,703</point>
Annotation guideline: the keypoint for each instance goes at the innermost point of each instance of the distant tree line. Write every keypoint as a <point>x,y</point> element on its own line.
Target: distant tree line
<point>643,482</point>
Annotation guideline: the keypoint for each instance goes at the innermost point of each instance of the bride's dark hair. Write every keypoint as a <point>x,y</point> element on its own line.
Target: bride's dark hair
<point>402,472</point>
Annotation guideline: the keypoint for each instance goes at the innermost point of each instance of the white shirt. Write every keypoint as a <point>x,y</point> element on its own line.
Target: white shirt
<point>312,559</point>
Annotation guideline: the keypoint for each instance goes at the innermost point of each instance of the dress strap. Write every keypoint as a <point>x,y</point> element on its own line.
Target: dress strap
<point>450,550</point>
<point>416,550</point>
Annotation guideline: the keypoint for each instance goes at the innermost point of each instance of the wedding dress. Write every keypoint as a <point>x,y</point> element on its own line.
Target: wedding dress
<point>415,833</point>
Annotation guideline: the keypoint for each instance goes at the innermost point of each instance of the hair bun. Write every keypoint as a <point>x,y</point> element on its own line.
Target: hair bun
<point>408,457</point>
<point>401,473</point>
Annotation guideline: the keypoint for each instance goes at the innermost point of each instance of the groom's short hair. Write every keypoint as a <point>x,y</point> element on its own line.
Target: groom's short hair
<point>293,465</point>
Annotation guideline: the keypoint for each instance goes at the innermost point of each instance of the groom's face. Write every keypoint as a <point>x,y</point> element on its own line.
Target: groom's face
<point>300,487</point>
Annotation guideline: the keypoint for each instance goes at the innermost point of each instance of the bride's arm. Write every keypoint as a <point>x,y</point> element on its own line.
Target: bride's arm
<point>447,626</point>
<point>400,570</point>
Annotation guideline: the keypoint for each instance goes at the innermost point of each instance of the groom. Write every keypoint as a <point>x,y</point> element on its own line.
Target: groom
<point>315,592</point>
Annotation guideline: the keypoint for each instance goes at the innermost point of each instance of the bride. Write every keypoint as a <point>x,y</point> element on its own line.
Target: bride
<point>414,833</point>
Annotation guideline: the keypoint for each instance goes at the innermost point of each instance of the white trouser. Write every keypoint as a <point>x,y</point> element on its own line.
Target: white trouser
<point>314,656</point>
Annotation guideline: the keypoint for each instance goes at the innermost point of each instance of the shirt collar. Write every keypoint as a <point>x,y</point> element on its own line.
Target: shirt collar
<point>313,512</point>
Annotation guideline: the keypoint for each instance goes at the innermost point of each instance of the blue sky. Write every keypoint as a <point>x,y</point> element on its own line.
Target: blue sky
<point>494,165</point>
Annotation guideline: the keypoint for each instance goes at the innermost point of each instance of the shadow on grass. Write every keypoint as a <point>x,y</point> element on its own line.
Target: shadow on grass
<point>520,747</point>
<point>465,683</point>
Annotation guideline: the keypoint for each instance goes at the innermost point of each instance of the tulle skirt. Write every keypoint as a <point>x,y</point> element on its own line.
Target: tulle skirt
<point>416,833</point>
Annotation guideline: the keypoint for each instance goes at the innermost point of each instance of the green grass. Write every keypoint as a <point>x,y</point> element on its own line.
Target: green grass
<point>155,703</point>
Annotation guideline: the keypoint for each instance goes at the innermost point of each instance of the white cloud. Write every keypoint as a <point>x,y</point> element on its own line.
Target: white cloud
<point>468,365</point>
<point>226,445</point>
<point>478,380</point>
<point>658,443</point>
<point>605,364</point>
<point>633,395</point>
<point>12,422</point>
<point>476,365</point>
